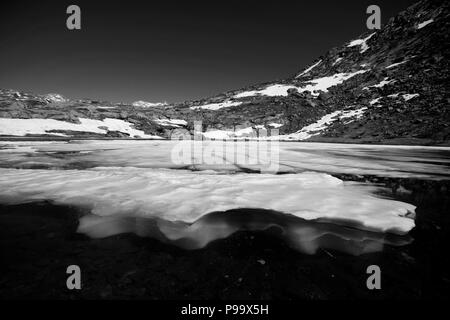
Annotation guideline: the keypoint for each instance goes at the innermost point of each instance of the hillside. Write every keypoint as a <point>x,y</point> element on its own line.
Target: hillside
<point>385,86</point>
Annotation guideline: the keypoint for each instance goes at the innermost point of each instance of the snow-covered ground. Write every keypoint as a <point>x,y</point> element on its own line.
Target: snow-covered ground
<point>362,43</point>
<point>396,64</point>
<point>146,104</point>
<point>22,127</point>
<point>307,70</point>
<point>375,101</point>
<point>314,86</point>
<point>275,125</point>
<point>381,84</point>
<point>314,128</point>
<point>322,124</point>
<point>217,106</point>
<point>229,134</point>
<point>337,61</point>
<point>424,24</point>
<point>410,96</point>
<point>406,97</point>
<point>306,132</point>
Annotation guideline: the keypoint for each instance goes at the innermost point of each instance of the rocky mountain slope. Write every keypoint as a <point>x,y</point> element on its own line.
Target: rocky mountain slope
<point>386,86</point>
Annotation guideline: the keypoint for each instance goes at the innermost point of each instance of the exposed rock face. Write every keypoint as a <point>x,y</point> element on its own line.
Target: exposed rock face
<point>387,85</point>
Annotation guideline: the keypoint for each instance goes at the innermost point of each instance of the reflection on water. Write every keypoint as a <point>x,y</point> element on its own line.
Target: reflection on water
<point>303,235</point>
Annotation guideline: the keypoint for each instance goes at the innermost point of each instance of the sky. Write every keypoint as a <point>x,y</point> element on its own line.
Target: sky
<point>172,51</point>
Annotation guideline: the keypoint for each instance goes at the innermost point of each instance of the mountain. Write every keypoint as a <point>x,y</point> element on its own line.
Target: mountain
<point>385,86</point>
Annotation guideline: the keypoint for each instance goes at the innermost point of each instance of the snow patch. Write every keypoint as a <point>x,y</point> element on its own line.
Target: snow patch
<point>322,124</point>
<point>217,106</point>
<point>375,101</point>
<point>54,97</point>
<point>313,86</point>
<point>275,125</point>
<point>381,84</point>
<point>228,134</point>
<point>309,69</point>
<point>396,64</point>
<point>409,96</point>
<point>362,43</point>
<point>22,127</point>
<point>323,84</point>
<point>357,113</point>
<point>171,122</point>
<point>246,94</point>
<point>314,128</point>
<point>337,61</point>
<point>424,24</point>
<point>145,104</point>
<point>276,90</point>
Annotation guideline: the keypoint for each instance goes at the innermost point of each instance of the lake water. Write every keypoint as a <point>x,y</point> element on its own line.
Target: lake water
<point>191,193</point>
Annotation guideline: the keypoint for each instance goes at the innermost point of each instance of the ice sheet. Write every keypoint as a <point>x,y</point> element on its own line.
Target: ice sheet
<point>186,196</point>
<point>386,161</point>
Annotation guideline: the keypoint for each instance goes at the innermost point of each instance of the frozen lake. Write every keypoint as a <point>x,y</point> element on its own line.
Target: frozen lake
<point>293,157</point>
<point>125,184</point>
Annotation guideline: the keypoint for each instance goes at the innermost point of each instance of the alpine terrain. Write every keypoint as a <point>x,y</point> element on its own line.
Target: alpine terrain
<point>384,86</point>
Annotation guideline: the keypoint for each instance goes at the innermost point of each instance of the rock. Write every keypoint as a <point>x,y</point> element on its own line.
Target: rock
<point>324,96</point>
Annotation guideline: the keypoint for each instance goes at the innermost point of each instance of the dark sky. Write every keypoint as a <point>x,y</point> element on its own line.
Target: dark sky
<point>139,50</point>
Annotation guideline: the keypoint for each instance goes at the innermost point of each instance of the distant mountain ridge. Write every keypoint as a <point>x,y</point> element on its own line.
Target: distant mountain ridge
<point>386,86</point>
